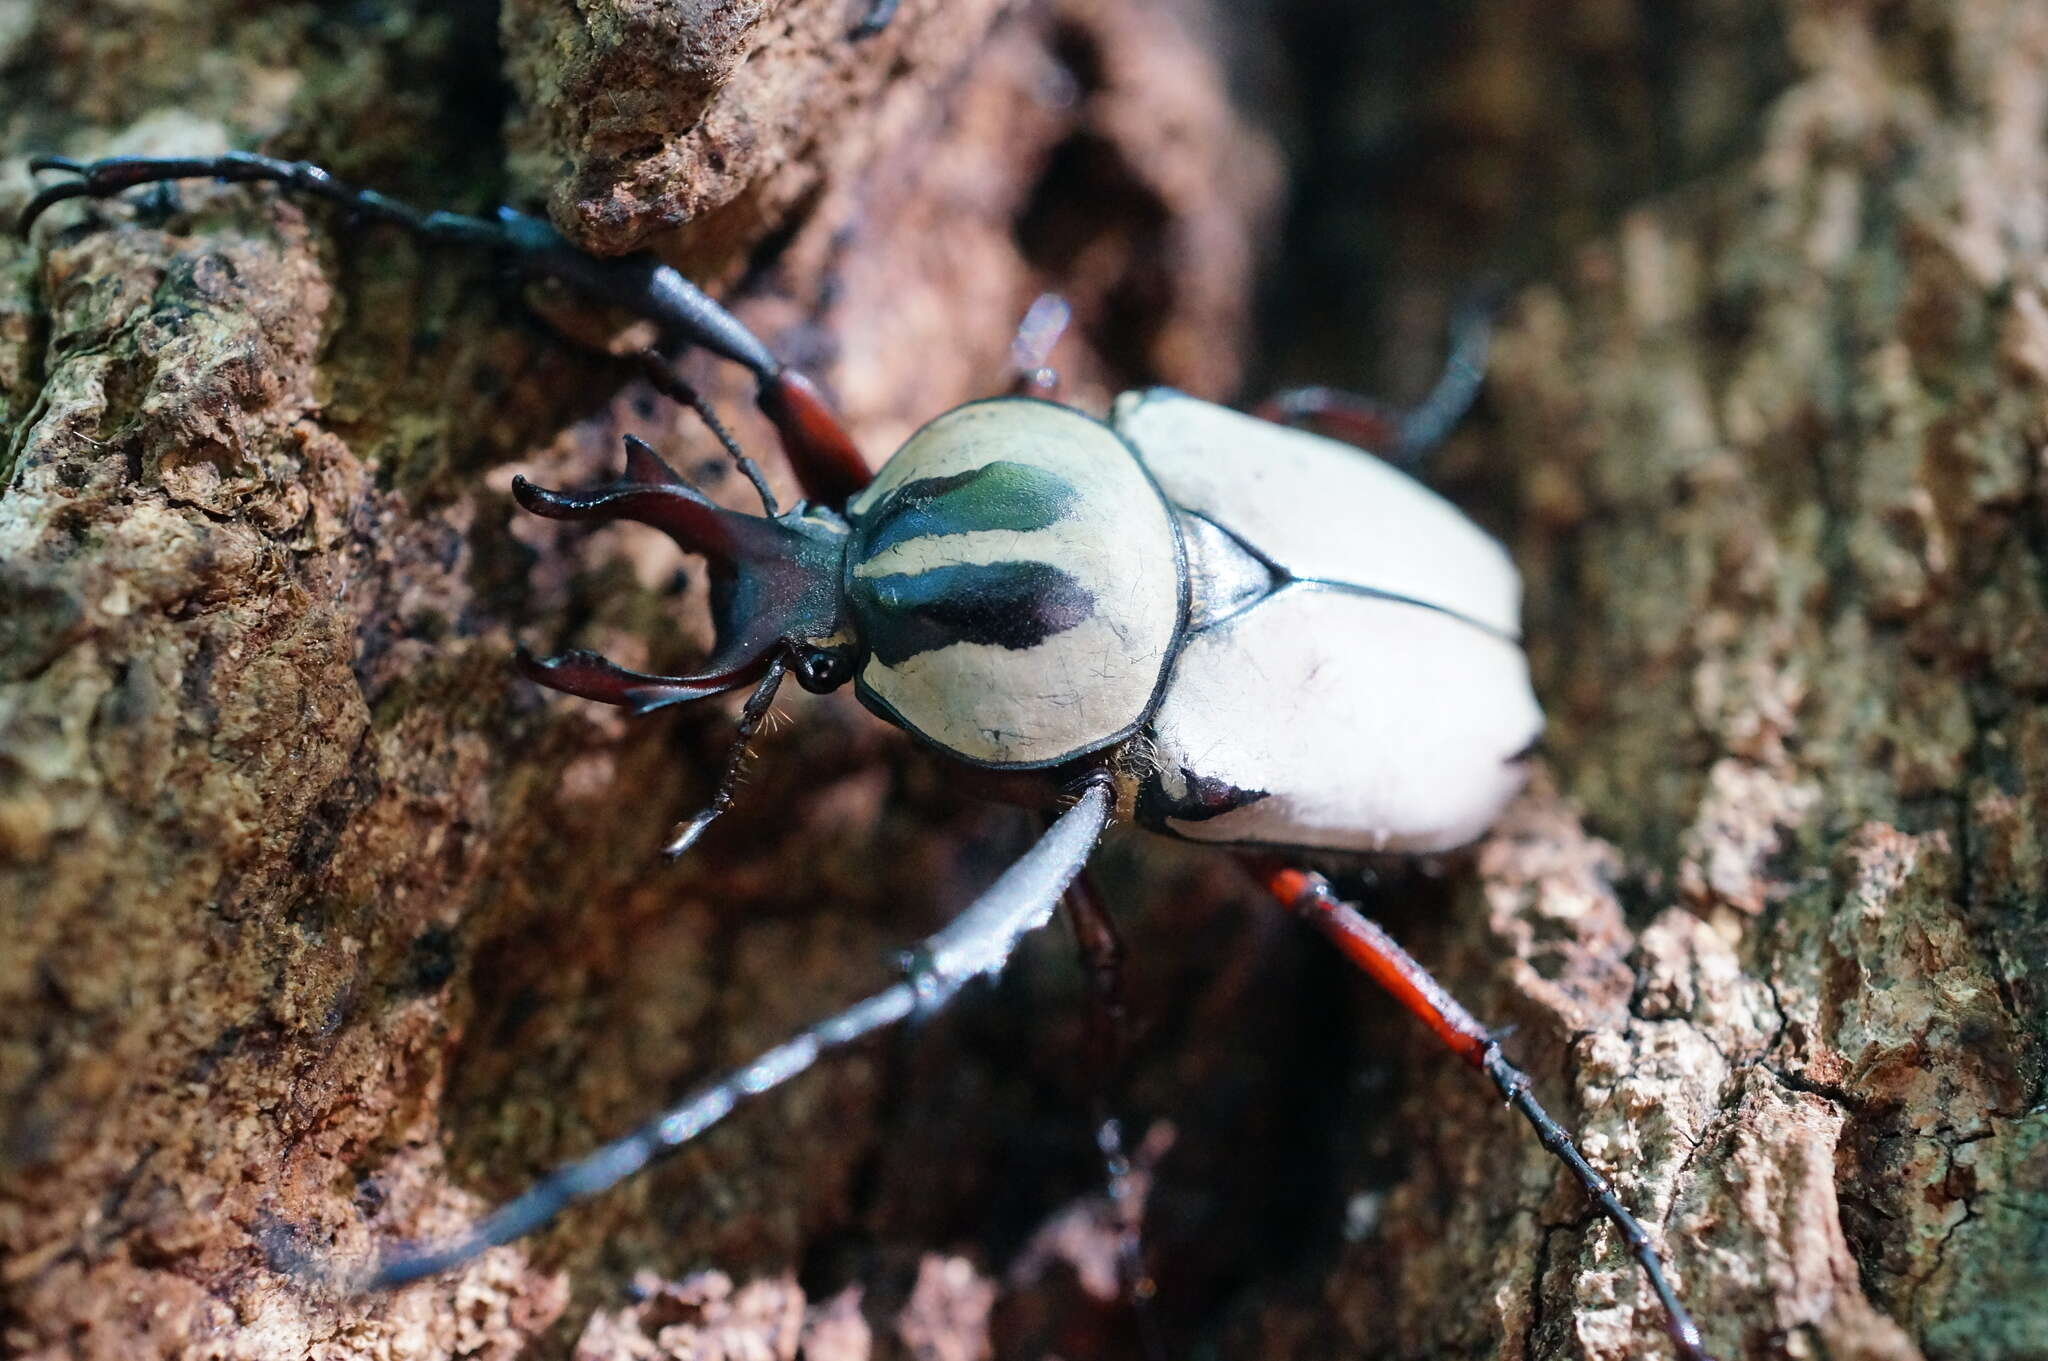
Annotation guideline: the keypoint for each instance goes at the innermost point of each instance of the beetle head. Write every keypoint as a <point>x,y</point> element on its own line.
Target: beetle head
<point>774,587</point>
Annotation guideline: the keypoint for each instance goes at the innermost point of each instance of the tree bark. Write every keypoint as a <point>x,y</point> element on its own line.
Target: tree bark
<point>1772,924</point>
<point>322,933</point>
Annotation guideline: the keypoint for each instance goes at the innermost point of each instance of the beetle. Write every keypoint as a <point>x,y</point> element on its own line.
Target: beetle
<point>1069,607</point>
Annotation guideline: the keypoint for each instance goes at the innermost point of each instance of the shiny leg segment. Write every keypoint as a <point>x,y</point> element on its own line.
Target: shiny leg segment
<point>978,942</point>
<point>1368,946</point>
<point>827,463</point>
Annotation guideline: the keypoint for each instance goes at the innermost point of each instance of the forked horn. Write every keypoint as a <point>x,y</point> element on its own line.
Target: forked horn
<point>772,578</point>
<point>588,676</point>
<point>653,493</point>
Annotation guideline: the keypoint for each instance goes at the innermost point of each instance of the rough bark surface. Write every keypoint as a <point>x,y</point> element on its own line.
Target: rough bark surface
<point>320,932</point>
<point>1774,927</point>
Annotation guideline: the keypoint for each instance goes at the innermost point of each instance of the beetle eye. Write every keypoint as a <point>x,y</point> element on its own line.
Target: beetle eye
<point>821,669</point>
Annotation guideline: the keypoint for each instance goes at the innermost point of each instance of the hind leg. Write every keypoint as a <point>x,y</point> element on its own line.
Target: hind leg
<point>1376,953</point>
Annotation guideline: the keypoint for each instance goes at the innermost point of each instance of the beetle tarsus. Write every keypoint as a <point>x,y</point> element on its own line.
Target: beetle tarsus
<point>1517,1089</point>
<point>1367,945</point>
<point>1102,955</point>
<point>613,1162</point>
<point>115,174</point>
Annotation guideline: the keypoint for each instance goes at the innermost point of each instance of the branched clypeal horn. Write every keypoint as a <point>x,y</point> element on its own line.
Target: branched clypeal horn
<point>654,494</point>
<point>589,676</point>
<point>772,578</point>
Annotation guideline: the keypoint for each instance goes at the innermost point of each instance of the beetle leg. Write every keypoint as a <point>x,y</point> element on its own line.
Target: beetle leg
<point>826,461</point>
<point>1368,946</point>
<point>1040,329</point>
<point>877,17</point>
<point>978,942</point>
<point>1341,415</point>
<point>756,709</point>
<point>1403,438</point>
<point>1102,954</point>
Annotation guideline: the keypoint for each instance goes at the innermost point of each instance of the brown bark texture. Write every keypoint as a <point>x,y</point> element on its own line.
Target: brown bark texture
<point>319,932</point>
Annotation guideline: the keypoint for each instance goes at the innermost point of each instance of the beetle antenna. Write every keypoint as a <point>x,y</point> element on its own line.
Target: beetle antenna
<point>672,385</point>
<point>976,943</point>
<point>757,707</point>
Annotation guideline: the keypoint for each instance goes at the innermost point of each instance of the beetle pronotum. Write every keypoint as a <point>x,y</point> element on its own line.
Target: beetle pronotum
<point>1117,572</point>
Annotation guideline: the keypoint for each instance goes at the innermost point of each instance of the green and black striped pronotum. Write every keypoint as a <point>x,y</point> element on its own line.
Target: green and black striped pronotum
<point>1014,547</point>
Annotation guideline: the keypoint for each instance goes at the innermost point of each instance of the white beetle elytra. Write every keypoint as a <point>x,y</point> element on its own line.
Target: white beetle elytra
<point>1311,649</point>
<point>1210,624</point>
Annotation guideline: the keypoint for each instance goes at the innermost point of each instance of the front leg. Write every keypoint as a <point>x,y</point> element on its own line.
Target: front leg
<point>975,944</point>
<point>828,465</point>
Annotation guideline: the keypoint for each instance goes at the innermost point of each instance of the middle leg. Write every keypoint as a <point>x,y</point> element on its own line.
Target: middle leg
<point>1102,955</point>
<point>977,943</point>
<point>1402,438</point>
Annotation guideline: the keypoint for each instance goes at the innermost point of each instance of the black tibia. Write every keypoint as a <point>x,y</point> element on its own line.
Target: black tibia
<point>1403,438</point>
<point>1367,945</point>
<point>826,461</point>
<point>978,942</point>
